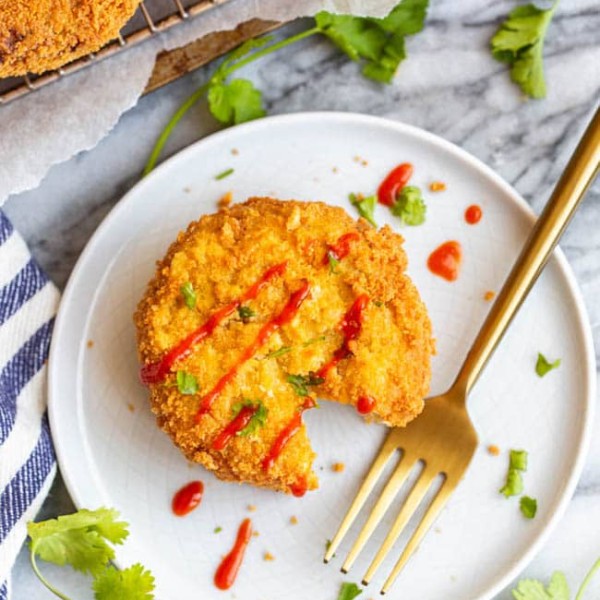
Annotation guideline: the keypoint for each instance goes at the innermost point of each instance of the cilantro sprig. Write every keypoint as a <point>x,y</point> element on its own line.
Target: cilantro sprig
<point>365,205</point>
<point>520,42</point>
<point>514,481</point>
<point>187,384</point>
<point>189,295</point>
<point>410,206</point>
<point>376,43</point>
<point>245,313</point>
<point>84,540</point>
<point>557,588</point>
<point>544,366</point>
<point>258,419</point>
<point>349,591</point>
<point>301,383</point>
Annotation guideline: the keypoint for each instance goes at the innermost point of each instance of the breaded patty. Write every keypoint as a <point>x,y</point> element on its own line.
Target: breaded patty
<point>261,308</point>
<point>38,35</point>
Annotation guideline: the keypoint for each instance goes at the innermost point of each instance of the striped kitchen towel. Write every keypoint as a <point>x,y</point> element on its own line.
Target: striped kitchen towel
<point>28,302</point>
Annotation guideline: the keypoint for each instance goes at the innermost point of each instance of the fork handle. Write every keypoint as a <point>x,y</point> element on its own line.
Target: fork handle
<point>566,197</point>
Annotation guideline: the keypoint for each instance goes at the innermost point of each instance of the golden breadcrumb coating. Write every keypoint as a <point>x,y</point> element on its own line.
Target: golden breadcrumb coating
<point>39,35</point>
<point>222,255</point>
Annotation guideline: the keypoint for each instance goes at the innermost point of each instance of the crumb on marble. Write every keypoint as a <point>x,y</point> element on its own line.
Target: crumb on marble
<point>251,508</point>
<point>294,520</point>
<point>187,190</point>
<point>235,151</point>
<point>90,343</point>
<point>130,407</point>
<point>489,295</point>
<point>268,557</point>
<point>338,467</point>
<point>437,186</point>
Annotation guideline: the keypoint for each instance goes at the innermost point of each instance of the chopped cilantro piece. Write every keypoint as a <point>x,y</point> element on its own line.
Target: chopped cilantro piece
<point>543,365</point>
<point>224,174</point>
<point>320,338</point>
<point>333,262</point>
<point>348,591</point>
<point>134,583</point>
<point>520,42</point>
<point>245,313</point>
<point>189,295</point>
<point>218,529</point>
<point>187,383</point>
<point>528,506</point>
<point>301,383</point>
<point>259,418</point>
<point>280,352</point>
<point>410,206</point>
<point>513,485</point>
<point>365,206</point>
<point>518,460</point>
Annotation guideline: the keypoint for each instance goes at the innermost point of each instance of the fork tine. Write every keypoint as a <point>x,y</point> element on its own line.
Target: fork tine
<point>389,493</point>
<point>388,448</point>
<point>406,512</point>
<point>429,517</point>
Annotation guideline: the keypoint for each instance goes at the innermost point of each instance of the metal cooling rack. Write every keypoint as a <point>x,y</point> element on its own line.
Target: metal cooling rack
<point>151,18</point>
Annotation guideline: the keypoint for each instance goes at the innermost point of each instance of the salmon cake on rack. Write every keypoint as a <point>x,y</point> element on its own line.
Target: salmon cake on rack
<point>259,309</point>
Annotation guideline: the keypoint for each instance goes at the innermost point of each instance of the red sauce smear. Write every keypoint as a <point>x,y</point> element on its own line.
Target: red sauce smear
<point>157,371</point>
<point>392,185</point>
<point>365,405</point>
<point>187,498</point>
<point>445,260</point>
<point>268,329</point>
<point>299,488</point>
<point>341,248</point>
<point>473,214</point>
<point>230,565</point>
<point>235,426</point>
<point>290,430</point>
<point>351,327</point>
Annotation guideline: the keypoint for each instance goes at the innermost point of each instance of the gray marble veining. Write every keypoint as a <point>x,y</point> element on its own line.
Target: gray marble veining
<point>449,85</point>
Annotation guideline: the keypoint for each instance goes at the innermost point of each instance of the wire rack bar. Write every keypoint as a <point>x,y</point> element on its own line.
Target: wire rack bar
<point>153,26</point>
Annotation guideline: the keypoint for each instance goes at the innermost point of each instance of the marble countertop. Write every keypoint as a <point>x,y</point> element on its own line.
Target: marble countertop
<point>450,86</point>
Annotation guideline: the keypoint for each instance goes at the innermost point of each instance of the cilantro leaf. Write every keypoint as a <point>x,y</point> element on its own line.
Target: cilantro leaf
<point>218,530</point>
<point>333,262</point>
<point>348,591</point>
<point>379,43</point>
<point>518,460</point>
<point>133,583</point>
<point>187,383</point>
<point>543,365</point>
<point>410,206</point>
<point>189,295</point>
<point>280,352</point>
<point>79,539</point>
<point>532,589</point>
<point>259,418</point>
<point>528,507</point>
<point>365,206</point>
<point>236,101</point>
<point>301,383</point>
<point>520,42</point>
<point>245,313</point>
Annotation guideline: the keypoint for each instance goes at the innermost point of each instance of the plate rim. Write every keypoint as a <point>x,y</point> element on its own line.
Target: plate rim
<point>581,314</point>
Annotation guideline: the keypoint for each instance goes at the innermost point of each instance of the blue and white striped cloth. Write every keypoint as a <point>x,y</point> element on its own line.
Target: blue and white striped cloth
<point>28,302</point>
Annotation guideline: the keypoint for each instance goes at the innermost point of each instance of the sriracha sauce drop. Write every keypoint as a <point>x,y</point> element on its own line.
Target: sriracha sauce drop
<point>187,498</point>
<point>445,260</point>
<point>230,565</point>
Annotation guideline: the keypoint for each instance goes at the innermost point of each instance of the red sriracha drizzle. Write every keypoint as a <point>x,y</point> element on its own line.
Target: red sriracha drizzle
<point>351,328</point>
<point>268,329</point>
<point>157,371</point>
<point>365,405</point>
<point>290,430</point>
<point>230,565</point>
<point>235,426</point>
<point>392,185</point>
<point>341,248</point>
<point>187,498</point>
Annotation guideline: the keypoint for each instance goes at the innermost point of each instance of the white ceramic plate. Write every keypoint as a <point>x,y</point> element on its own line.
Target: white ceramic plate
<point>111,452</point>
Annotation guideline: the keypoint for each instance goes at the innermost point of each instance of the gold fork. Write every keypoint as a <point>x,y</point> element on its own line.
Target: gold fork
<point>443,437</point>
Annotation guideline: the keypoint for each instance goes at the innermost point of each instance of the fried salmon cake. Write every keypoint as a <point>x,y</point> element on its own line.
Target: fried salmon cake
<point>38,35</point>
<point>257,310</point>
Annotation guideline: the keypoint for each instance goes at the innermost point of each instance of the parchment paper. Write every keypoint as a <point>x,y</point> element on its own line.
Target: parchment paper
<point>55,123</point>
